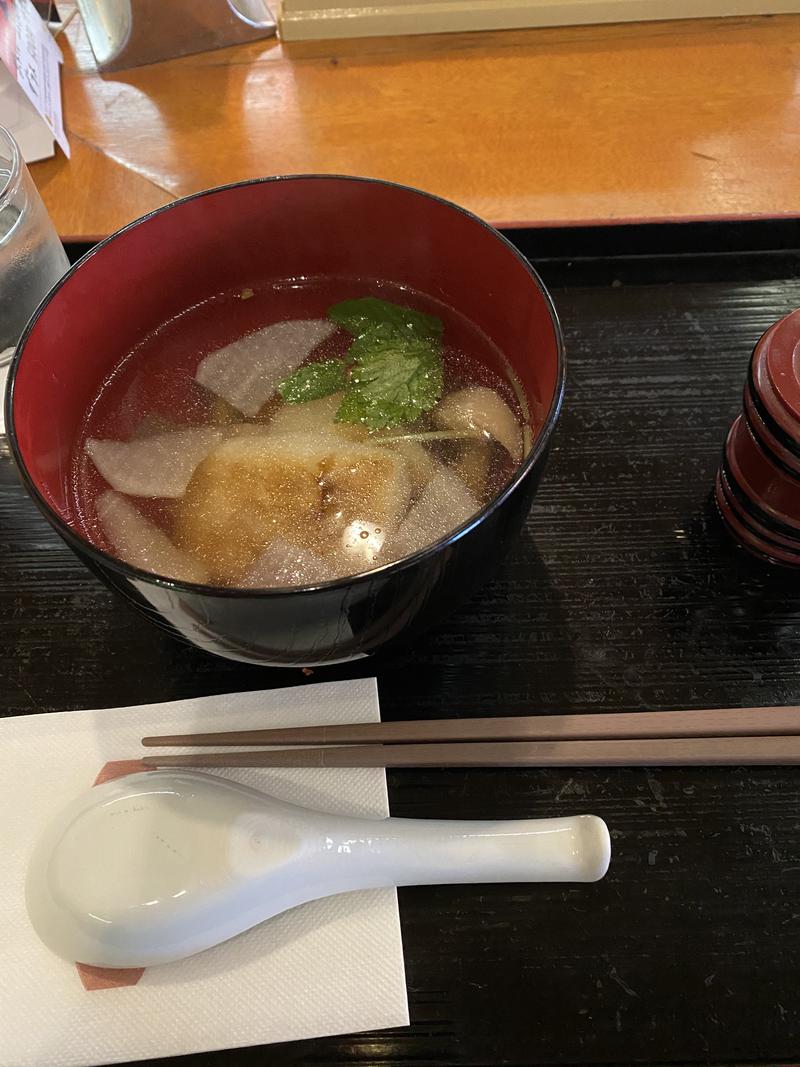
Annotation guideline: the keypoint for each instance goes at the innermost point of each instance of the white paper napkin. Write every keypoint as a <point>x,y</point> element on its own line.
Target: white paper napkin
<point>332,966</point>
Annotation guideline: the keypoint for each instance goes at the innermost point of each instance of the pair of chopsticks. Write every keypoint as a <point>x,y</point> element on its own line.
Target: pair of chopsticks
<point>721,737</point>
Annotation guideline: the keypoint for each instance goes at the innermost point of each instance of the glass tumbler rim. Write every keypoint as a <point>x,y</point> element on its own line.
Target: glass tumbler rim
<point>8,185</point>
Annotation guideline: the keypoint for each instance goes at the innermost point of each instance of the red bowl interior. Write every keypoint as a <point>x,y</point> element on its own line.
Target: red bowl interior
<point>266,230</point>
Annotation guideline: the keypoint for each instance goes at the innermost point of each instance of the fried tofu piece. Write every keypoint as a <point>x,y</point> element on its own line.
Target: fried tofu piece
<point>303,489</point>
<point>248,492</point>
<point>364,484</point>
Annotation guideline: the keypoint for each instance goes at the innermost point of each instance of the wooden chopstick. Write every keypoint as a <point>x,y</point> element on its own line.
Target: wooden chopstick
<point>653,752</point>
<point>720,722</point>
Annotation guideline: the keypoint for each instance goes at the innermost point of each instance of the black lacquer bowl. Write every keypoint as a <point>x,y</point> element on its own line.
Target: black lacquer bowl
<point>278,228</point>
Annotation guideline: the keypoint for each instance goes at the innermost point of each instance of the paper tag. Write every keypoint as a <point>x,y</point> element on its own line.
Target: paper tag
<point>33,58</point>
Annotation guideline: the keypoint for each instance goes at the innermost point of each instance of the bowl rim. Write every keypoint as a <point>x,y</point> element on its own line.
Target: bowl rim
<point>99,556</point>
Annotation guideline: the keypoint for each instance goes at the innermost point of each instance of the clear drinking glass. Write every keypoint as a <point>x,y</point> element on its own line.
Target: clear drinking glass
<point>32,258</point>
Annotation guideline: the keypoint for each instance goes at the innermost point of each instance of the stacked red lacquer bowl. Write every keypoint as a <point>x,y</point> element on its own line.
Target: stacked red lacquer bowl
<point>758,483</point>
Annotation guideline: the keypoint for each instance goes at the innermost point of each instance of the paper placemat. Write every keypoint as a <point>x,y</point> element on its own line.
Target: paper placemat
<point>331,966</point>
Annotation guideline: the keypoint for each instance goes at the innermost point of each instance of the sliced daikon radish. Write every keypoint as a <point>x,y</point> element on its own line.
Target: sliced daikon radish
<point>483,410</point>
<point>284,564</point>
<point>315,416</point>
<point>159,466</point>
<point>444,504</point>
<point>141,543</point>
<point>246,373</point>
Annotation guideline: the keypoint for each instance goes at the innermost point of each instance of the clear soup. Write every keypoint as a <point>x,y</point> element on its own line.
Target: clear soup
<point>297,433</point>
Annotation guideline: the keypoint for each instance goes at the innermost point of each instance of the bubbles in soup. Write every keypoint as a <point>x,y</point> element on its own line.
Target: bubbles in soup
<point>303,433</point>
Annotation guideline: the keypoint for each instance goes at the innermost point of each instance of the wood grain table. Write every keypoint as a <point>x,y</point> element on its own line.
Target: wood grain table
<point>669,120</point>
<point>623,593</point>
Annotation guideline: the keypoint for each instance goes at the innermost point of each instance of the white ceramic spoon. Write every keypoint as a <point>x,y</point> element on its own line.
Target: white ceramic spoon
<point>157,866</point>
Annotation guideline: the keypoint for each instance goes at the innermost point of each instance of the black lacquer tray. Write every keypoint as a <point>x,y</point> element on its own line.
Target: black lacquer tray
<point>624,593</point>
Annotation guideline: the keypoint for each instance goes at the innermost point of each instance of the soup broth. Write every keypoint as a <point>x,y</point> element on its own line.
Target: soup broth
<point>296,433</point>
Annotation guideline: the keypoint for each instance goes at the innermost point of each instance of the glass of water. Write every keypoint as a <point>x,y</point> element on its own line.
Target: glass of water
<point>32,258</point>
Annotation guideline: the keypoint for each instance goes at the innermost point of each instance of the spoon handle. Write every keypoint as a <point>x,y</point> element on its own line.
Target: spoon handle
<point>431,852</point>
